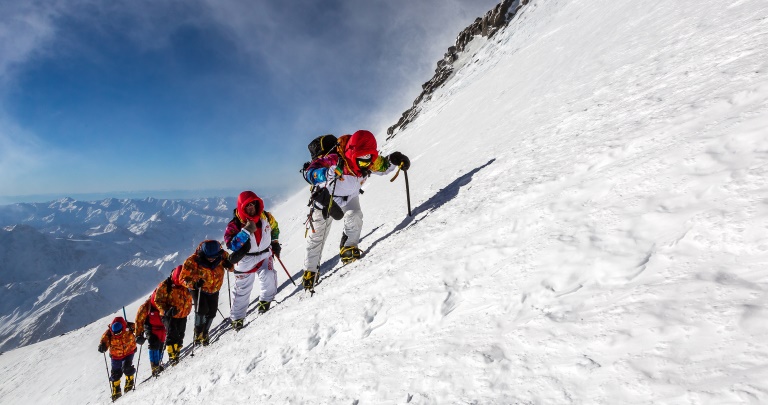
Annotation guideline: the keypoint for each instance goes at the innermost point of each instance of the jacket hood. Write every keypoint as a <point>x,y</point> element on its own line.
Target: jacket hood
<point>120,320</point>
<point>360,143</point>
<point>150,304</point>
<point>245,198</point>
<point>200,252</point>
<point>175,275</point>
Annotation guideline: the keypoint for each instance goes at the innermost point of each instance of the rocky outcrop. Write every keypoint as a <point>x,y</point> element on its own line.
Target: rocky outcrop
<point>484,26</point>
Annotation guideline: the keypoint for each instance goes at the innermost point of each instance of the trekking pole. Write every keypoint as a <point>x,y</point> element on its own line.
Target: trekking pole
<point>194,338</point>
<point>138,364</point>
<point>107,367</point>
<point>124,315</point>
<point>286,270</point>
<point>162,354</point>
<point>229,293</point>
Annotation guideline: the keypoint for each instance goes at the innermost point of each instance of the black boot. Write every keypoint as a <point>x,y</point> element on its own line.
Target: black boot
<point>263,306</point>
<point>157,368</point>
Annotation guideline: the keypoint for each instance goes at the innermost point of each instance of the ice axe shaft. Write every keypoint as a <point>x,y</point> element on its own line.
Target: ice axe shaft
<point>407,187</point>
<point>407,191</point>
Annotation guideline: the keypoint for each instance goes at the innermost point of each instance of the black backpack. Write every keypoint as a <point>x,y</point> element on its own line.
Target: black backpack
<point>319,147</point>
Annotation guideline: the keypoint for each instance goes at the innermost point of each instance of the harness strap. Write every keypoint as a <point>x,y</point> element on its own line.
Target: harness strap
<point>258,253</point>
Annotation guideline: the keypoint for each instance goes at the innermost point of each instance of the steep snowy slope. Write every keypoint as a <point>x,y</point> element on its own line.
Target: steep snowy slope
<point>589,226</point>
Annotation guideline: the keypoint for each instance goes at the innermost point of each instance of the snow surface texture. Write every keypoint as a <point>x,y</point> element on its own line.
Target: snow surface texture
<point>589,227</point>
<point>67,263</point>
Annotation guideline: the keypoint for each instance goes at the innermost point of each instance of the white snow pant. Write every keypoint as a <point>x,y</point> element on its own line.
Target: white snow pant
<point>353,226</point>
<point>241,294</point>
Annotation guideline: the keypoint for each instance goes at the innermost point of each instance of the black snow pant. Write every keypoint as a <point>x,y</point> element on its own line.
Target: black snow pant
<point>154,342</point>
<point>122,366</point>
<point>206,310</point>
<point>175,328</point>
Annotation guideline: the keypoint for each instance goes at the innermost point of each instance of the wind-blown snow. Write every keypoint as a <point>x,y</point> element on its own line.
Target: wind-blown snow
<point>589,226</point>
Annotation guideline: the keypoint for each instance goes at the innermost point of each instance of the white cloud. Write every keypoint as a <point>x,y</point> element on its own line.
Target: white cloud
<point>20,154</point>
<point>24,28</point>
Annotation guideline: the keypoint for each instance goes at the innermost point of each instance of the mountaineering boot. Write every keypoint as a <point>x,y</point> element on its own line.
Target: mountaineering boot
<point>156,360</point>
<point>128,383</point>
<point>237,324</point>
<point>157,368</point>
<point>349,254</point>
<point>263,306</point>
<point>202,339</point>
<point>309,280</point>
<point>173,353</point>
<point>116,393</point>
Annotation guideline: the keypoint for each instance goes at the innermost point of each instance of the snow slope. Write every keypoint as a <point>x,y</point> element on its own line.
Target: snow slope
<point>589,226</point>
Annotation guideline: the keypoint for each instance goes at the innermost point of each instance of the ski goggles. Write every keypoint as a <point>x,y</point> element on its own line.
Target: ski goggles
<point>364,161</point>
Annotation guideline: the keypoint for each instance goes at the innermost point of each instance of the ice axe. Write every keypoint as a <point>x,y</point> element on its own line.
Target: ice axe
<point>407,188</point>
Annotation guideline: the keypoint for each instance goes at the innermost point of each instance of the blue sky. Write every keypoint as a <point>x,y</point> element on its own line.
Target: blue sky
<point>201,97</point>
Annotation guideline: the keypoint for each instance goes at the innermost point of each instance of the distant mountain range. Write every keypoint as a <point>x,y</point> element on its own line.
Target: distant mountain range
<point>66,263</point>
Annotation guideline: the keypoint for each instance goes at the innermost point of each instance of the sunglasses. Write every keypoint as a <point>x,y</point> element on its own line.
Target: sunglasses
<point>364,161</point>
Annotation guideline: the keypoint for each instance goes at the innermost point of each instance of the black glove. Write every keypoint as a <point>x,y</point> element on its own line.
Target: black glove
<point>275,245</point>
<point>397,158</point>
<point>147,330</point>
<point>199,284</point>
<point>140,340</point>
<point>102,347</point>
<point>171,312</point>
<point>227,264</point>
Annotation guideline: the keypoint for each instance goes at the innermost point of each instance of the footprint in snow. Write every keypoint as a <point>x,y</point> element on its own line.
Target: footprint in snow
<point>255,361</point>
<point>314,339</point>
<point>371,310</point>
